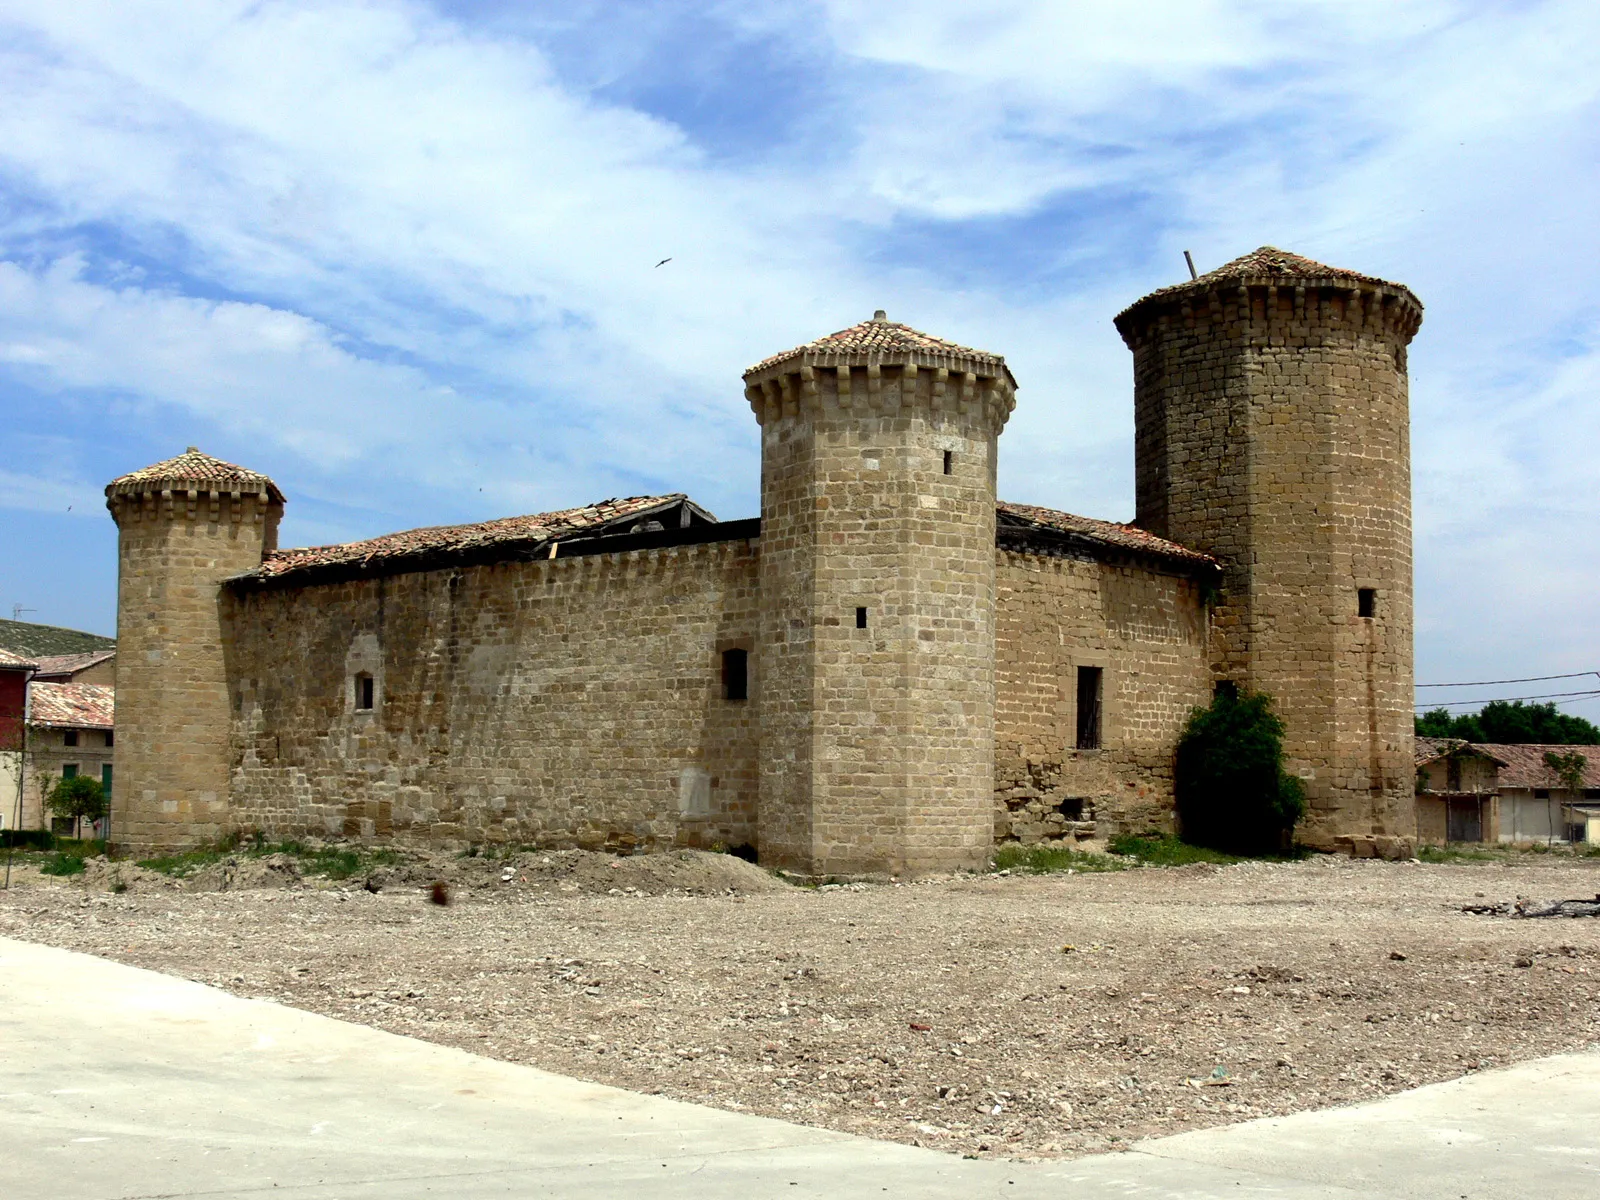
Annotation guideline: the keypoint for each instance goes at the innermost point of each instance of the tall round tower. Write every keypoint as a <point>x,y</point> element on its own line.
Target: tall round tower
<point>876,660</point>
<point>1272,431</point>
<point>183,526</point>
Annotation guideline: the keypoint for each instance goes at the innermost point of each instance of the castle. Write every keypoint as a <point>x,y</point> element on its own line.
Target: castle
<point>887,672</point>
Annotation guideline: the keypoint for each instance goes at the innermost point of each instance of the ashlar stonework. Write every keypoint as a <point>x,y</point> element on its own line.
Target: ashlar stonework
<point>887,672</point>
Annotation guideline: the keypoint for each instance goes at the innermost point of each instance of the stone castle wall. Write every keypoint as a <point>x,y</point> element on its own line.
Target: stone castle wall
<point>1147,632</point>
<point>1273,433</point>
<point>566,702</point>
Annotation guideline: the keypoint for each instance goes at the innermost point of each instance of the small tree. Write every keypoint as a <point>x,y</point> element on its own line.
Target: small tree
<point>1568,768</point>
<point>80,797</point>
<point>1232,791</point>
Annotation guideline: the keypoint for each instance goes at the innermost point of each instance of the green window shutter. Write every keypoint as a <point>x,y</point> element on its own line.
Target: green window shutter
<point>105,780</point>
<point>69,771</point>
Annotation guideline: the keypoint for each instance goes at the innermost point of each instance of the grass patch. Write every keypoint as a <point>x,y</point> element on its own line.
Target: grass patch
<point>1166,851</point>
<point>1468,852</point>
<point>61,863</point>
<point>1046,859</point>
<point>332,862</point>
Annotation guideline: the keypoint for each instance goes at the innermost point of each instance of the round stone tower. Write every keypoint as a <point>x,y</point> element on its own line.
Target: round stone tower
<point>1273,431</point>
<point>876,659</point>
<point>183,525</point>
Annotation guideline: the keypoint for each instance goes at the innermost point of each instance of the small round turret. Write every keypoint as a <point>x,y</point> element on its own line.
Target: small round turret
<point>184,526</point>
<point>876,659</point>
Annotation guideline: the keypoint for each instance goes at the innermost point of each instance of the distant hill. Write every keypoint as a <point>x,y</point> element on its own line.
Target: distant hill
<point>28,639</point>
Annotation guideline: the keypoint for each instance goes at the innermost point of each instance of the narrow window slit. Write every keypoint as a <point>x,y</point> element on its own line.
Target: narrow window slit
<point>735,674</point>
<point>861,618</point>
<point>949,461</point>
<point>1367,602</point>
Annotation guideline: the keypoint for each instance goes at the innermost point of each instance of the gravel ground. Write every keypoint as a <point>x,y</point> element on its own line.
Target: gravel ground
<point>1020,1016</point>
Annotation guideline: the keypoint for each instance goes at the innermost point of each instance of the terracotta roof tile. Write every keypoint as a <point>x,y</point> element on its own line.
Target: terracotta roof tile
<point>71,705</point>
<point>191,468</point>
<point>1268,265</point>
<point>1107,534</point>
<point>15,662</point>
<point>885,340</point>
<point>528,533</point>
<point>1431,749</point>
<point>1524,765</point>
<point>68,664</point>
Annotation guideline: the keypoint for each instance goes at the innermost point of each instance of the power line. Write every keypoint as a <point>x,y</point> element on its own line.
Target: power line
<point>1495,682</point>
<point>1589,695</point>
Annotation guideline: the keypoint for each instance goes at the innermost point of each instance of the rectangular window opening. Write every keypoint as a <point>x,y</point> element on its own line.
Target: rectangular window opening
<point>1366,602</point>
<point>949,461</point>
<point>69,770</point>
<point>861,618</point>
<point>105,779</point>
<point>365,693</point>
<point>1089,692</point>
<point>69,738</point>
<point>735,674</point>
<point>110,738</point>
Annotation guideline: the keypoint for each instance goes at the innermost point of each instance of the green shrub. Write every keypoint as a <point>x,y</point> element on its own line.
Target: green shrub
<point>62,864</point>
<point>1232,791</point>
<point>28,839</point>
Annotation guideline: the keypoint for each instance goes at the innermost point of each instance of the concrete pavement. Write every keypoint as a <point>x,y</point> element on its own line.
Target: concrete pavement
<point>121,1083</point>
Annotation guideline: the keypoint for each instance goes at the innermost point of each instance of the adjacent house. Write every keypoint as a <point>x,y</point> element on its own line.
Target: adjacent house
<point>70,732</point>
<point>1537,804</point>
<point>1457,791</point>
<point>15,672</point>
<point>93,666</point>
<point>1467,792</point>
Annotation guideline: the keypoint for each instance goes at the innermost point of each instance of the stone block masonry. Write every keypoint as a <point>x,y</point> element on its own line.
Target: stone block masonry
<point>1144,629</point>
<point>568,702</point>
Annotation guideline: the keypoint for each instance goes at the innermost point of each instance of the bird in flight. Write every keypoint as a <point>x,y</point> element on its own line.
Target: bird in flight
<point>663,262</point>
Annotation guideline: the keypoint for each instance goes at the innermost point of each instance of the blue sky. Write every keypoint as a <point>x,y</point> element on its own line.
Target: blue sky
<point>400,255</point>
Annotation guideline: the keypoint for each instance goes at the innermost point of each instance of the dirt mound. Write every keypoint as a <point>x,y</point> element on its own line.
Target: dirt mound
<point>100,874</point>
<point>236,874</point>
<point>692,872</point>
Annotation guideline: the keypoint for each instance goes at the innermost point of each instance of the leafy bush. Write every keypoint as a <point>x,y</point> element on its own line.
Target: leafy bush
<point>1232,791</point>
<point>79,797</point>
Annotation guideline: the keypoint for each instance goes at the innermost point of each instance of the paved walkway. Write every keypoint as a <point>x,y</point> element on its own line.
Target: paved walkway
<point>117,1082</point>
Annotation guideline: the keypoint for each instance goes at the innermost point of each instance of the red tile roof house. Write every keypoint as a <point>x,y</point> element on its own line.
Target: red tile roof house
<point>1535,804</point>
<point>1469,792</point>
<point>15,671</point>
<point>70,732</point>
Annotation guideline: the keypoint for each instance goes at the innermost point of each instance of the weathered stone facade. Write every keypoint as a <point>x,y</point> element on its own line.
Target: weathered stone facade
<point>1144,627</point>
<point>572,701</point>
<point>886,673</point>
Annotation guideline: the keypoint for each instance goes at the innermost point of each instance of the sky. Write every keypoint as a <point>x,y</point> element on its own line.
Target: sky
<point>401,255</point>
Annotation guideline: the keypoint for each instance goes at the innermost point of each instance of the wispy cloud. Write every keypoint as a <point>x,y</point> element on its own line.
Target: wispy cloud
<point>398,252</point>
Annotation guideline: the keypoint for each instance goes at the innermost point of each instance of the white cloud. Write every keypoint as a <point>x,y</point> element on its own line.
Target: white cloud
<point>379,242</point>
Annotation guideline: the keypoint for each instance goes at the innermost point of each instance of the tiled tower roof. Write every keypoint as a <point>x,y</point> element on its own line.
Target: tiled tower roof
<point>880,339</point>
<point>192,468</point>
<point>1269,265</point>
